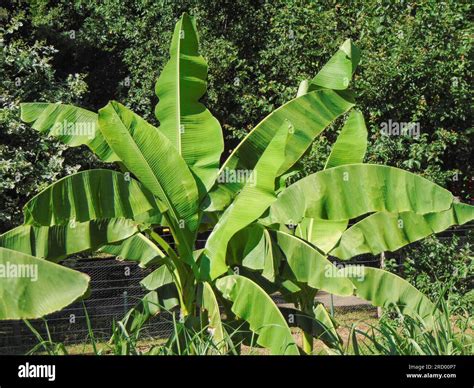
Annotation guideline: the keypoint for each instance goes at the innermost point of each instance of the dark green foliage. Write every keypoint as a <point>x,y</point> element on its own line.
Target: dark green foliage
<point>29,162</point>
<point>433,263</point>
<point>415,64</point>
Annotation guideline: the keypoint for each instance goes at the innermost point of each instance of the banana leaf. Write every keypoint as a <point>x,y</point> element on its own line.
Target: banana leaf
<point>58,242</point>
<point>137,248</point>
<point>89,195</point>
<point>253,305</point>
<point>251,202</point>
<point>351,144</point>
<point>305,117</point>
<point>69,124</point>
<point>384,231</point>
<point>349,191</point>
<point>31,287</point>
<point>183,119</point>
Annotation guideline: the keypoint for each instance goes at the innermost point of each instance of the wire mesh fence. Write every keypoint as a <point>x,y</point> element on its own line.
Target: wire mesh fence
<point>115,288</point>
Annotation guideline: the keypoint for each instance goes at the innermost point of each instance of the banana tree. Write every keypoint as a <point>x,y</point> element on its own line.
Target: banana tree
<point>263,237</point>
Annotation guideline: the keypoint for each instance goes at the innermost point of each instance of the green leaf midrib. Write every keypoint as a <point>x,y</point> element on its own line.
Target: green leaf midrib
<point>178,86</point>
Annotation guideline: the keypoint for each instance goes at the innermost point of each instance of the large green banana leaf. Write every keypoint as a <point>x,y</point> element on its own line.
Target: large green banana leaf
<point>337,72</point>
<point>349,191</point>
<point>57,242</point>
<point>31,288</point>
<point>253,305</point>
<point>248,247</point>
<point>158,278</point>
<point>249,204</point>
<point>71,125</point>
<point>310,114</point>
<point>254,248</point>
<point>137,248</point>
<point>306,117</point>
<point>325,329</point>
<point>209,303</point>
<point>324,234</point>
<point>185,121</point>
<point>89,195</point>
<point>309,266</point>
<point>150,217</point>
<point>351,144</point>
<point>384,289</point>
<point>384,231</point>
<point>150,156</point>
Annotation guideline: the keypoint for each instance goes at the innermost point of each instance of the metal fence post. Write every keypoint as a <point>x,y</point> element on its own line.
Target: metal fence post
<point>125,302</point>
<point>382,265</point>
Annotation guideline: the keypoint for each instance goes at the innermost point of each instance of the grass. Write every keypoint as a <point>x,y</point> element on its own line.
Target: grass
<point>400,334</point>
<point>103,347</point>
<point>361,332</point>
<point>345,317</point>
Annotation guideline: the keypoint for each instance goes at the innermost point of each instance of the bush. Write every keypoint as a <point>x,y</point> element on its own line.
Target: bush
<point>29,162</point>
